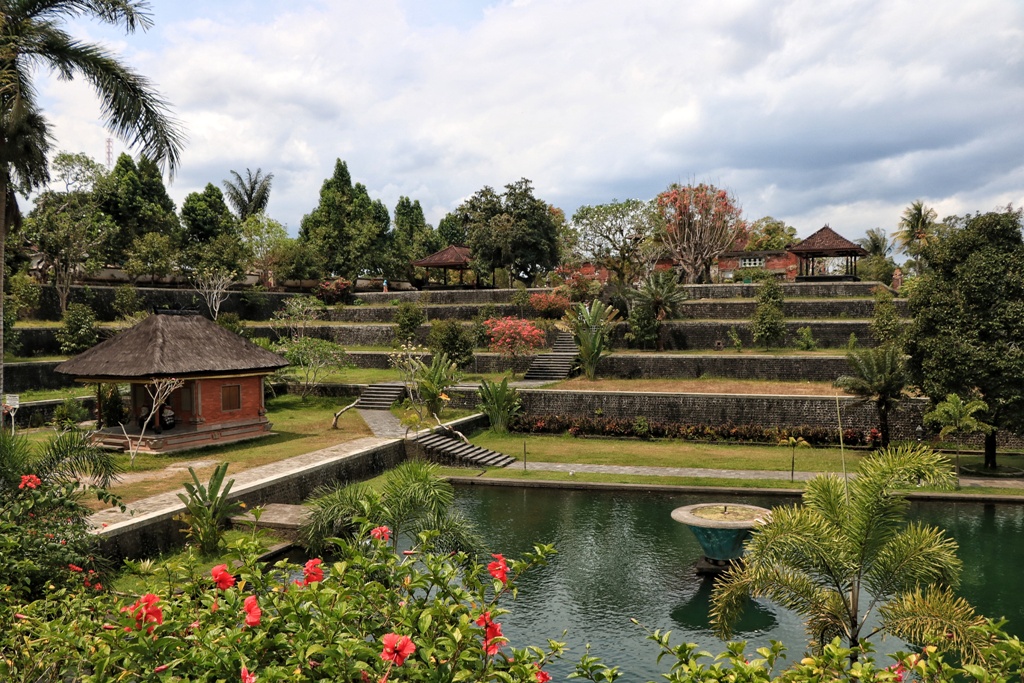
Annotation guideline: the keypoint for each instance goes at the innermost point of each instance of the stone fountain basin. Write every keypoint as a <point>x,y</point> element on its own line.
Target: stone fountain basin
<point>721,528</point>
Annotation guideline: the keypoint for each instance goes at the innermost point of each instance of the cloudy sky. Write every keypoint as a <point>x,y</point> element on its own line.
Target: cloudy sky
<point>813,111</point>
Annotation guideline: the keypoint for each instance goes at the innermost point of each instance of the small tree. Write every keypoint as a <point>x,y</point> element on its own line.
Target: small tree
<point>213,285</point>
<point>590,327</point>
<point>297,315</point>
<point>452,339</point>
<point>514,337</point>
<point>886,325</point>
<point>408,319</point>
<point>768,326</point>
<point>955,417</point>
<point>310,358</point>
<point>879,377</point>
<point>77,331</point>
<point>159,390</point>
<point>700,222</point>
<point>151,254</point>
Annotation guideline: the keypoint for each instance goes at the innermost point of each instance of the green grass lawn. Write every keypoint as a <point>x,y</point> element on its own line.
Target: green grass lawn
<point>374,375</point>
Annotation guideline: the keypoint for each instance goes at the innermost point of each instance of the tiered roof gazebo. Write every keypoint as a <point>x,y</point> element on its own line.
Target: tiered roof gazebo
<point>221,400</point>
<point>826,243</point>
<point>455,257</point>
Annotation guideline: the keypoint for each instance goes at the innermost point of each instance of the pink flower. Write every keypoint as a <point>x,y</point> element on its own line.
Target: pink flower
<point>253,613</point>
<point>30,481</point>
<point>498,568</point>
<point>161,668</point>
<point>381,533</point>
<point>312,571</point>
<point>248,677</point>
<point>397,648</point>
<point>222,577</point>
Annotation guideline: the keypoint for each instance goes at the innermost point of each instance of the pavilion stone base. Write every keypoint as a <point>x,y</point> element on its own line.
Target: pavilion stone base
<point>186,437</point>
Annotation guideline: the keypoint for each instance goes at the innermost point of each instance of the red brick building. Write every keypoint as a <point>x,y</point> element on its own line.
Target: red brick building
<point>221,400</point>
<point>781,263</point>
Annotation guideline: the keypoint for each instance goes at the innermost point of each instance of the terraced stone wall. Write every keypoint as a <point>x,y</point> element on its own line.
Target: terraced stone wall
<point>248,305</point>
<point>447,296</point>
<point>808,289</point>
<point>724,309</point>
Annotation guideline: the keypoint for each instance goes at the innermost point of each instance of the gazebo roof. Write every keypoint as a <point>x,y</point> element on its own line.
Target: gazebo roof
<point>166,345</point>
<point>453,256</point>
<point>827,242</point>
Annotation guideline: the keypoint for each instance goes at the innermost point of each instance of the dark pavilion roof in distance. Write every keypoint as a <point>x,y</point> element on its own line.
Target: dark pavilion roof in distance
<point>165,345</point>
<point>827,242</point>
<point>452,256</point>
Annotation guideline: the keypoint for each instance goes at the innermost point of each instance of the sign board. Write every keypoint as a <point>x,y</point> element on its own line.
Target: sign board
<point>12,400</point>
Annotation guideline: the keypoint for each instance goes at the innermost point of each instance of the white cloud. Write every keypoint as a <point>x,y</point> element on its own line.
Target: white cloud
<point>809,111</point>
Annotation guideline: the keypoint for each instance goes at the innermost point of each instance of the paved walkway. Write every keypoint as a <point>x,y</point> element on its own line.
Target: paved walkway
<point>383,423</point>
<point>965,482</point>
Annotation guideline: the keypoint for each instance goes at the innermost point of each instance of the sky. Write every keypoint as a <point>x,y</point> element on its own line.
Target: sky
<point>811,111</point>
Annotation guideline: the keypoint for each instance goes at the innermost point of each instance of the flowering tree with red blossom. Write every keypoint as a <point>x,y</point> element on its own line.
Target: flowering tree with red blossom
<point>699,223</point>
<point>514,337</point>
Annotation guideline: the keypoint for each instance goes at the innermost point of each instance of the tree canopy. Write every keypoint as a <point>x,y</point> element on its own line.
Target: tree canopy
<point>699,223</point>
<point>613,236</point>
<point>968,331</point>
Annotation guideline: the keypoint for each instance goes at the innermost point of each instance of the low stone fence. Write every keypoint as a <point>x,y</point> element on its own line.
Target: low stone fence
<point>446,296</point>
<point>725,309</point>
<point>808,289</point>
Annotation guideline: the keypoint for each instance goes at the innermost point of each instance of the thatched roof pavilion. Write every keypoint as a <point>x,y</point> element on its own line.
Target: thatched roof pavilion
<point>826,243</point>
<point>454,256</point>
<point>222,396</point>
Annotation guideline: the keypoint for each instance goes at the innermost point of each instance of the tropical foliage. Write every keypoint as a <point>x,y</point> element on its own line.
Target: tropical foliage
<point>699,222</point>
<point>209,508</point>
<point>500,403</point>
<point>768,324</point>
<point>879,376</point>
<point>590,326</point>
<point>847,555</point>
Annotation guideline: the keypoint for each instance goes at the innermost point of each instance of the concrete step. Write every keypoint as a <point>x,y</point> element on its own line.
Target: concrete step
<point>449,449</point>
<point>380,396</point>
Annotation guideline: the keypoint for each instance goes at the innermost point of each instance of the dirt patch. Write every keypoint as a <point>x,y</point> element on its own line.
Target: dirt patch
<point>702,386</point>
<point>726,513</point>
<point>176,469</point>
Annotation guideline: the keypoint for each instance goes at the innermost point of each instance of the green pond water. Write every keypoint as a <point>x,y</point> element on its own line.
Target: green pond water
<point>621,556</point>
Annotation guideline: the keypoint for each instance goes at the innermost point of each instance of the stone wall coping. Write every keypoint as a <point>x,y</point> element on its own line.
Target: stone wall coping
<point>691,394</point>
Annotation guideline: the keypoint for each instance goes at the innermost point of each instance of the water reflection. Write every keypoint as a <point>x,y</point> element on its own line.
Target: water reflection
<point>620,555</point>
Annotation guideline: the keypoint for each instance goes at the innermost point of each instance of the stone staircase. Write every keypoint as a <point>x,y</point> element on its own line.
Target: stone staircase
<point>380,396</point>
<point>557,364</point>
<point>448,449</point>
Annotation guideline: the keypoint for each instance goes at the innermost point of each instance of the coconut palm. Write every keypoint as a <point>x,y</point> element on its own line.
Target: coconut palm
<point>917,229</point>
<point>65,457</point>
<point>879,377</point>
<point>412,499</point>
<point>33,37</point>
<point>876,243</point>
<point>248,196</point>
<point>847,554</point>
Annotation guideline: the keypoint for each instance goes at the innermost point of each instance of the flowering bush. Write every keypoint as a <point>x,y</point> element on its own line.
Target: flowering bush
<point>514,337</point>
<point>372,615</point>
<point>334,291</point>
<point>595,425</point>
<point>575,284</point>
<point>549,305</point>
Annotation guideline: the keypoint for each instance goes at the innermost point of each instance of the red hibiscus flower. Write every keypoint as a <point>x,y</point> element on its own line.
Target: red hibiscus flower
<point>381,533</point>
<point>312,571</point>
<point>74,568</point>
<point>145,612</point>
<point>253,613</point>
<point>248,677</point>
<point>29,481</point>
<point>498,568</point>
<point>493,637</point>
<point>542,676</point>
<point>222,577</point>
<point>397,648</point>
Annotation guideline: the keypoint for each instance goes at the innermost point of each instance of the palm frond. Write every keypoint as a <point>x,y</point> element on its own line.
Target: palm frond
<point>336,512</point>
<point>936,617</point>
<point>70,456</point>
<point>917,555</point>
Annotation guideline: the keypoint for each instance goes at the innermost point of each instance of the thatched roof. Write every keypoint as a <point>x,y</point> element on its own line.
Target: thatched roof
<point>453,256</point>
<point>827,242</point>
<point>172,346</point>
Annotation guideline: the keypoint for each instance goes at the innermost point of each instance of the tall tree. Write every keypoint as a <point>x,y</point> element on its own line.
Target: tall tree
<point>452,230</point>
<point>250,195</point>
<point>769,234</point>
<point>265,239</point>
<point>326,230</point>
<point>699,223</point>
<point>134,196</point>
<point>918,229</point>
<point>878,265</point>
<point>613,235</point>
<point>512,230</point>
<point>968,331</point>
<point>414,238</point>
<point>77,172</point>
<point>33,36</point>
<point>205,216</point>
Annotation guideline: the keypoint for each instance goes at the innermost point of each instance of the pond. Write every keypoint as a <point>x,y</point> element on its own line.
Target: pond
<point>621,556</point>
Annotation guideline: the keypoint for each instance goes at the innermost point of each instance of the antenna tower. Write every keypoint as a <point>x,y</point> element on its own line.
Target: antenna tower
<point>110,153</point>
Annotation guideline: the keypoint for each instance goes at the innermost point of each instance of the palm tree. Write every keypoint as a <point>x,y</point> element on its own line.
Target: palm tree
<point>955,416</point>
<point>847,553</point>
<point>412,499</point>
<point>879,377</point>
<point>876,243</point>
<point>33,37</point>
<point>661,294</point>
<point>917,229</point>
<point>248,196</point>
<point>67,456</point>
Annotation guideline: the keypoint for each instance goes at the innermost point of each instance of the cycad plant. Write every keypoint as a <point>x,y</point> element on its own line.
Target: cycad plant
<point>661,294</point>
<point>879,376</point>
<point>590,326</point>
<point>848,554</point>
<point>432,381</point>
<point>413,499</point>
<point>500,403</point>
<point>956,416</point>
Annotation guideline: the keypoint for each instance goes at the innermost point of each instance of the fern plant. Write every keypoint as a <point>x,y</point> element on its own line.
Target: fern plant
<point>208,508</point>
<point>500,403</point>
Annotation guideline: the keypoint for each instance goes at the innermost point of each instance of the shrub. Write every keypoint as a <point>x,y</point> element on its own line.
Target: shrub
<point>481,337</point>
<point>12,340</point>
<point>232,323</point>
<point>549,305</point>
<point>336,291</point>
<point>886,326</point>
<point>520,297</point>
<point>752,275</point>
<point>514,337</point>
<point>734,338</point>
<point>500,403</point>
<point>113,411</point>
<point>575,285</point>
<point>126,301</point>
<point>851,343</point>
<point>452,339</point>
<point>208,508</point>
<point>644,328</point>
<point>805,339</point>
<point>77,331</point>
<point>24,297</point>
<point>408,319</point>
<point>768,326</point>
<point>69,414</point>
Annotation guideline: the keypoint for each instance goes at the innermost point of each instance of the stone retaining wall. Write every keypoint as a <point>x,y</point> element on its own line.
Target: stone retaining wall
<point>723,364</point>
<point>724,309</point>
<point>809,289</point>
<point>248,305</point>
<point>446,296</point>
<point>697,334</point>
<point>386,314</point>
